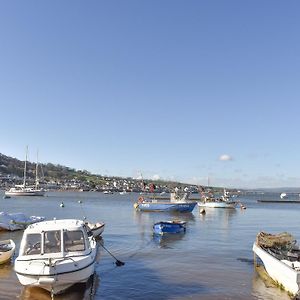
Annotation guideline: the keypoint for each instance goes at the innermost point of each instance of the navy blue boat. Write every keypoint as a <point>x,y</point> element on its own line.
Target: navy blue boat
<point>169,227</point>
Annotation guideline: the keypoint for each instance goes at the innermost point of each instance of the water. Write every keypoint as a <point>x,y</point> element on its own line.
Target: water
<point>212,260</point>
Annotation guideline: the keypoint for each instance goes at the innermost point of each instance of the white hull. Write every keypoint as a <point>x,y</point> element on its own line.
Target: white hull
<point>25,193</point>
<point>98,231</point>
<point>280,271</point>
<point>57,283</point>
<point>213,204</point>
<point>56,254</point>
<point>7,254</point>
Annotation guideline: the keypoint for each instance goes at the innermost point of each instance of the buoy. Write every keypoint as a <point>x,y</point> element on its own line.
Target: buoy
<point>202,211</point>
<point>79,201</point>
<point>62,205</point>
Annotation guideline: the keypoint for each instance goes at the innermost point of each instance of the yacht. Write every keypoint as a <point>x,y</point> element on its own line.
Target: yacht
<point>23,189</point>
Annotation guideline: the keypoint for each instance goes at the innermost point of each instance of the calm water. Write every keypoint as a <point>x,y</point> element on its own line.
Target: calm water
<point>212,260</point>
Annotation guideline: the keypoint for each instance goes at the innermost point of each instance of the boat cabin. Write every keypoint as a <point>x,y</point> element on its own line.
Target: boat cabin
<point>53,239</point>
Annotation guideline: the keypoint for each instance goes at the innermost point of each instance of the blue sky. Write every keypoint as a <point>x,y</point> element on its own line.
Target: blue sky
<point>159,87</point>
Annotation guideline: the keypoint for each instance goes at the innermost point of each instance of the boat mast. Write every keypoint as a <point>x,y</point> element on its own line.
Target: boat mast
<point>36,170</point>
<point>25,166</point>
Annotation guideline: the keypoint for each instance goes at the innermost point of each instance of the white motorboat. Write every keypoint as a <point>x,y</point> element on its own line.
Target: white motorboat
<point>216,203</point>
<point>23,189</point>
<point>280,258</point>
<point>209,200</point>
<point>56,254</point>
<point>7,249</point>
<point>96,228</point>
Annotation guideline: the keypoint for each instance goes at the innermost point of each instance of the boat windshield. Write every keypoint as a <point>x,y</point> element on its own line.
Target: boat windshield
<point>52,241</point>
<point>74,241</point>
<point>32,244</point>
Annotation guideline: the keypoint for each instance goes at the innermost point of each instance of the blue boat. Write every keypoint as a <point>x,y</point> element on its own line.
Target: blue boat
<point>165,206</point>
<point>169,227</point>
<point>176,204</point>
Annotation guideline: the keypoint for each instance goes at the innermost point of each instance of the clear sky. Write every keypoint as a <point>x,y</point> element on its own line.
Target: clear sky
<point>180,90</point>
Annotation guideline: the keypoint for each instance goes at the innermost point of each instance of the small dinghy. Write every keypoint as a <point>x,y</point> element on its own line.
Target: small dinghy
<point>169,227</point>
<point>280,256</point>
<point>54,255</point>
<point>96,228</point>
<point>7,249</point>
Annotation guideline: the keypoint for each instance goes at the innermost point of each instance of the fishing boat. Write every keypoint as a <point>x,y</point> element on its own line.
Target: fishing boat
<point>54,255</point>
<point>23,189</point>
<point>164,227</point>
<point>17,221</point>
<point>211,201</point>
<point>176,204</point>
<point>96,228</point>
<point>216,203</point>
<point>280,256</point>
<point>7,249</point>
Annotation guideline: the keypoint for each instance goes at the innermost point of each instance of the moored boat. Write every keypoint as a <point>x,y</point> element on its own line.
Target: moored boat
<point>211,201</point>
<point>165,206</point>
<point>17,221</point>
<point>178,203</point>
<point>7,249</point>
<point>280,257</point>
<point>168,206</point>
<point>23,189</point>
<point>55,255</point>
<point>96,228</point>
<point>216,203</point>
<point>164,227</point>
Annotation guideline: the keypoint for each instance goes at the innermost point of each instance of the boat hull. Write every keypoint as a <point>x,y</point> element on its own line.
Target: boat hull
<point>25,193</point>
<point>56,262</point>
<point>169,207</point>
<point>58,283</point>
<point>217,204</point>
<point>97,230</point>
<point>279,271</point>
<point>6,254</point>
<point>168,228</point>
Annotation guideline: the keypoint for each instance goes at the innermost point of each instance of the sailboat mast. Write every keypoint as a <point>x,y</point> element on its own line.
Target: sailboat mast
<point>25,166</point>
<point>36,170</point>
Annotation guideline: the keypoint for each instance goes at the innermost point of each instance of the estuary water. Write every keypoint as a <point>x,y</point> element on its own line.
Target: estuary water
<point>212,260</point>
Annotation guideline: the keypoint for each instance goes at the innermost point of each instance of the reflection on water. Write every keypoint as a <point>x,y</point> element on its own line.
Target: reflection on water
<point>143,217</point>
<point>223,216</point>
<point>167,240</point>
<point>6,270</point>
<point>79,291</point>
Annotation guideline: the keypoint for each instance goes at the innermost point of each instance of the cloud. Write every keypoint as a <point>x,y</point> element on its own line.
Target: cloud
<point>225,157</point>
<point>156,177</point>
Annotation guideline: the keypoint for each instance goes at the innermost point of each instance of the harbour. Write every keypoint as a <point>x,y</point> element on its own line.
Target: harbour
<point>213,259</point>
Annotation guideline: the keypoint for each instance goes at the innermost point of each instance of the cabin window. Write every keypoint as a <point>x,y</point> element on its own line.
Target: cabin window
<point>32,244</point>
<point>73,241</point>
<point>52,241</point>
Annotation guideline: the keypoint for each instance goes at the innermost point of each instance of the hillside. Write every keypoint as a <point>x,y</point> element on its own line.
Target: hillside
<point>14,168</point>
